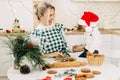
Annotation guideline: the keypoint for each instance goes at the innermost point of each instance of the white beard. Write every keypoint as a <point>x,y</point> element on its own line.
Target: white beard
<point>92,39</point>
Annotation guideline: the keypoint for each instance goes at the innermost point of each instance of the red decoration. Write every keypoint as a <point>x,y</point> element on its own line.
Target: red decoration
<point>68,79</point>
<point>30,46</point>
<point>89,17</point>
<point>47,78</point>
<point>8,31</point>
<point>22,31</point>
<point>43,68</point>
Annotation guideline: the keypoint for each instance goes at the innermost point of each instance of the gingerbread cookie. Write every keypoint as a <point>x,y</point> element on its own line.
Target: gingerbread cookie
<point>85,70</point>
<point>96,72</point>
<point>51,72</point>
<point>80,78</point>
<point>79,75</point>
<point>89,75</point>
<point>84,75</point>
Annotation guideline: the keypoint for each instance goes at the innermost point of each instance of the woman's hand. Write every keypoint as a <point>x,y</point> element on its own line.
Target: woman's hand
<point>78,48</point>
<point>52,55</point>
<point>57,54</point>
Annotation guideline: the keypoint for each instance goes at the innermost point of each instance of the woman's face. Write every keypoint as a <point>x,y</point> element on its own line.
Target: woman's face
<point>48,17</point>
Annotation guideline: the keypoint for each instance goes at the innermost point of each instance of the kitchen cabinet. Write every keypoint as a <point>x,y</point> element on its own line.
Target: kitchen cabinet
<point>106,41</point>
<point>5,58</point>
<point>5,61</point>
<point>75,39</point>
<point>116,42</point>
<point>80,39</point>
<point>109,41</point>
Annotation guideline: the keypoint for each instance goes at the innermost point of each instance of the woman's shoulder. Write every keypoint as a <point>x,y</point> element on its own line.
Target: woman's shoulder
<point>59,25</point>
<point>36,30</point>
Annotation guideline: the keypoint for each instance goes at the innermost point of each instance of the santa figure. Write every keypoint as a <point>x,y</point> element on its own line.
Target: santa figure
<point>89,21</point>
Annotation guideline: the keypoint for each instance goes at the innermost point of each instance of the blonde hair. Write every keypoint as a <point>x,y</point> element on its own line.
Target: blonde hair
<point>41,8</point>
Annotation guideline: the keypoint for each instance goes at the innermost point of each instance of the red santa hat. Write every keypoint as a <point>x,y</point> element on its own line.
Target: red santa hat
<point>88,19</point>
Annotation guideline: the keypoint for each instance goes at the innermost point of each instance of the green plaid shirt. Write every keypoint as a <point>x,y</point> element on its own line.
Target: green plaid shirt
<point>51,39</point>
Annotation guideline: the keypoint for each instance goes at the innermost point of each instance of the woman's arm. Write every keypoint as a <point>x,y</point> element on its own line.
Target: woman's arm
<point>52,55</point>
<point>78,48</point>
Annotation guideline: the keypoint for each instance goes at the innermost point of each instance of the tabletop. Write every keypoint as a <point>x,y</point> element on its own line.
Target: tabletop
<point>108,72</point>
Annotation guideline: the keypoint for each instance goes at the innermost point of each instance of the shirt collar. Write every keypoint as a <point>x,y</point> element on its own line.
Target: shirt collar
<point>41,26</point>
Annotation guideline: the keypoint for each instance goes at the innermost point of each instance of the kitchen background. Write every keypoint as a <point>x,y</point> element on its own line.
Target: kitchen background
<point>68,12</point>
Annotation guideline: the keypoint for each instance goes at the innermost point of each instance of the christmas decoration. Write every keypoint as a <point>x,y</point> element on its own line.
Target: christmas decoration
<point>44,68</point>
<point>25,69</point>
<point>8,31</point>
<point>68,79</point>
<point>22,47</point>
<point>89,17</point>
<point>89,21</point>
<point>16,27</point>
<point>47,78</point>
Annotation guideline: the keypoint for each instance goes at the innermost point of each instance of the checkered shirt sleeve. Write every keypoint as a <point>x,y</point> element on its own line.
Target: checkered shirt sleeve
<point>35,33</point>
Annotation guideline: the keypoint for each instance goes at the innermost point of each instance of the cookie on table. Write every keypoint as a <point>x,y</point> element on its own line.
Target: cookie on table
<point>96,72</point>
<point>89,76</point>
<point>79,75</point>
<point>80,78</point>
<point>85,70</point>
<point>84,75</point>
<point>51,72</point>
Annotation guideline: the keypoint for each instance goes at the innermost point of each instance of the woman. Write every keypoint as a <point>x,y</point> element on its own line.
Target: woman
<point>50,35</point>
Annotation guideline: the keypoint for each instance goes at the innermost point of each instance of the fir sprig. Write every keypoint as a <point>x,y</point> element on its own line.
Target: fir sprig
<point>21,47</point>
